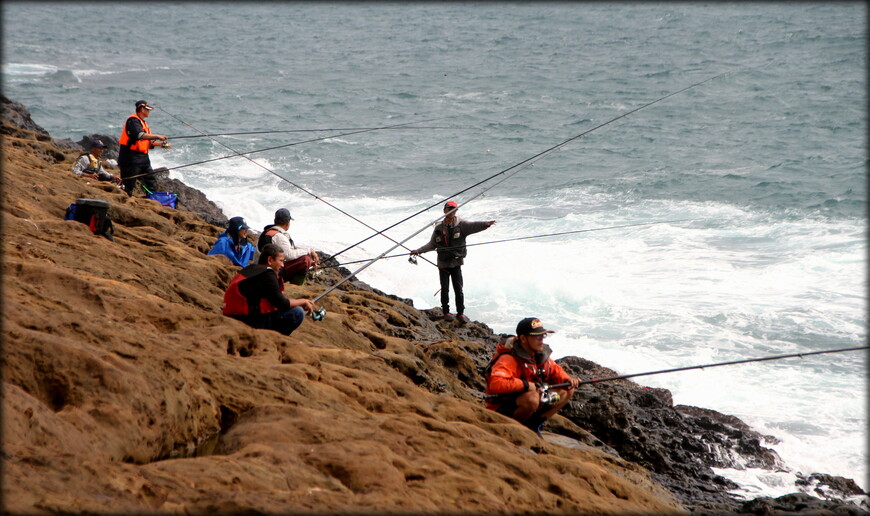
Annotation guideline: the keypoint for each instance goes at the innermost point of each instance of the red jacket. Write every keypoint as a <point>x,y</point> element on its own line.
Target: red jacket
<point>513,371</point>
<point>255,290</point>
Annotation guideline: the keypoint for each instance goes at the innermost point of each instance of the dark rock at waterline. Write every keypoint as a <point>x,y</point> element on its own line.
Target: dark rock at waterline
<point>19,116</point>
<point>798,503</point>
<point>192,199</point>
<point>679,444</point>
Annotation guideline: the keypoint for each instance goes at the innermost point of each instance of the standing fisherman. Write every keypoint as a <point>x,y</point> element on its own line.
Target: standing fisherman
<point>449,239</point>
<point>135,141</point>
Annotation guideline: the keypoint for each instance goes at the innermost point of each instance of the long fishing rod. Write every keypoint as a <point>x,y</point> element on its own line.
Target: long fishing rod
<point>244,154</point>
<point>519,167</point>
<point>267,169</point>
<point>522,238</point>
<point>531,160</point>
<point>303,131</point>
<point>705,366</point>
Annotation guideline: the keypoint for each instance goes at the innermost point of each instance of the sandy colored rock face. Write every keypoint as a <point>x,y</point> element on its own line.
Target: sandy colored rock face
<point>126,390</point>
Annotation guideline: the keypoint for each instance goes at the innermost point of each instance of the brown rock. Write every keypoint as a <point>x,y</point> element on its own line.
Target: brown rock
<point>126,390</point>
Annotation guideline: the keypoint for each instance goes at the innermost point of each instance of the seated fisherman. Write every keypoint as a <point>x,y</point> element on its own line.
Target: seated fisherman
<point>255,296</point>
<point>520,367</point>
<point>90,165</point>
<point>297,261</point>
<point>233,243</point>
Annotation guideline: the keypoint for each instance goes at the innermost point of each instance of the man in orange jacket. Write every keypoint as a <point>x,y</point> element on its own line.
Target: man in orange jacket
<point>517,373</point>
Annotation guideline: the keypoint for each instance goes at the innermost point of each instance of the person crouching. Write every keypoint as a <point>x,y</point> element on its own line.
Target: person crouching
<point>517,372</point>
<point>255,296</point>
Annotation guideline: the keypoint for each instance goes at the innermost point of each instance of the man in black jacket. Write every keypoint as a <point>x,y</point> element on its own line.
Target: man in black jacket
<point>255,296</point>
<point>449,239</point>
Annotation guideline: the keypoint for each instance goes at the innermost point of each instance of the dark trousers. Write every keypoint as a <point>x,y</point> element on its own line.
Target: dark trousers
<point>134,169</point>
<point>454,273</point>
<point>282,322</point>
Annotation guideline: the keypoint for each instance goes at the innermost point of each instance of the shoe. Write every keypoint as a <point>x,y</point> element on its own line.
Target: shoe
<point>448,317</point>
<point>536,424</point>
<point>462,318</point>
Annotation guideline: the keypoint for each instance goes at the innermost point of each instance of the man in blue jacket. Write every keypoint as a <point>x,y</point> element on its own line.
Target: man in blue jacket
<point>233,243</point>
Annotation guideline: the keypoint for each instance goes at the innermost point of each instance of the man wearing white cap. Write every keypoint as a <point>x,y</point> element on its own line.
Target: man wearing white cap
<point>135,141</point>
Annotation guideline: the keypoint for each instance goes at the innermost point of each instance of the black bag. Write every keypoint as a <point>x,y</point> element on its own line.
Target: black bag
<point>94,213</point>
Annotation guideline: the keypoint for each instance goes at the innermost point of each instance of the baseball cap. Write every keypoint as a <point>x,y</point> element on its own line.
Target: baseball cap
<point>450,204</point>
<point>282,216</point>
<point>237,223</point>
<point>143,104</point>
<point>532,326</point>
<point>98,143</point>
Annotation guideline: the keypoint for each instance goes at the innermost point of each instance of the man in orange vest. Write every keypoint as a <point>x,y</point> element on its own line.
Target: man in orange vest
<point>135,141</point>
<point>518,372</point>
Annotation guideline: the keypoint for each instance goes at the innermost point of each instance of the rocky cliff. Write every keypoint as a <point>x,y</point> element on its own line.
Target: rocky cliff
<point>124,389</point>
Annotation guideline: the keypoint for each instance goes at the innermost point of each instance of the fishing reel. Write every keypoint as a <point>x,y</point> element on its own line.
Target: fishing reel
<point>413,259</point>
<point>319,314</point>
<point>549,397</point>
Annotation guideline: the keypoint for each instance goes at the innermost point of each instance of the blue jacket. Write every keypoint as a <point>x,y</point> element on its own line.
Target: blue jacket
<point>238,254</point>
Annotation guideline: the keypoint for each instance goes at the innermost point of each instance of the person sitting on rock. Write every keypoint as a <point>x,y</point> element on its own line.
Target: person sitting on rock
<point>517,372</point>
<point>90,165</point>
<point>297,261</point>
<point>255,296</point>
<point>233,243</point>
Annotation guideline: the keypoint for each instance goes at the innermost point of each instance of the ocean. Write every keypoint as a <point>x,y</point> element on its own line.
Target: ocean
<point>753,183</point>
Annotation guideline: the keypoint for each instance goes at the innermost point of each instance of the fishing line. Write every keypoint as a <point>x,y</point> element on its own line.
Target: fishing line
<point>304,131</point>
<point>244,154</point>
<point>267,169</point>
<point>718,364</point>
<point>527,162</point>
<point>524,238</point>
<point>519,167</point>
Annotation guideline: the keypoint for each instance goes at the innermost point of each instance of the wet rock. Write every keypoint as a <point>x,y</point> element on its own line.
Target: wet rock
<point>798,503</point>
<point>191,198</point>
<point>18,116</point>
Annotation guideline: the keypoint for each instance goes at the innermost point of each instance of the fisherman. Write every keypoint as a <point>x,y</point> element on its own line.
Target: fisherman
<point>297,261</point>
<point>255,296</point>
<point>90,165</point>
<point>233,243</point>
<point>135,141</point>
<point>518,373</point>
<point>449,239</point>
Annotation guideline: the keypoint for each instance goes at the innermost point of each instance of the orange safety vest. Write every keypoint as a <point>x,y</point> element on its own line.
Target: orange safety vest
<point>139,145</point>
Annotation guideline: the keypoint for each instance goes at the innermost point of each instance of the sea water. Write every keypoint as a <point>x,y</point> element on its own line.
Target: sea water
<point>760,171</point>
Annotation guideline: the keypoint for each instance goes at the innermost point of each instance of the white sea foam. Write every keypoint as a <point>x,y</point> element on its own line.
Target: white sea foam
<point>14,70</point>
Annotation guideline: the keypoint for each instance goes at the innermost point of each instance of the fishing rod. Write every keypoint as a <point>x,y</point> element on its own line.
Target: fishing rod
<point>519,167</point>
<point>304,131</point>
<point>718,364</point>
<point>533,159</point>
<point>244,154</point>
<point>267,169</point>
<point>523,238</point>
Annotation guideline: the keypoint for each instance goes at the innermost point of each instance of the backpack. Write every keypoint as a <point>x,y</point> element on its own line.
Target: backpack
<point>94,213</point>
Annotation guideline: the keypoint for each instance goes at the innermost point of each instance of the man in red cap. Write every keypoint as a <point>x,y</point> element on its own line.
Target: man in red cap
<point>519,370</point>
<point>449,239</point>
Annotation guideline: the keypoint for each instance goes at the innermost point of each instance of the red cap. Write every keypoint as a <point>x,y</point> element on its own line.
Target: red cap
<point>450,204</point>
